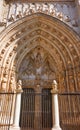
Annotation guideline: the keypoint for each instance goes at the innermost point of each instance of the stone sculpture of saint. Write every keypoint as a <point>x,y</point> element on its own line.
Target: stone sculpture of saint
<point>19,85</point>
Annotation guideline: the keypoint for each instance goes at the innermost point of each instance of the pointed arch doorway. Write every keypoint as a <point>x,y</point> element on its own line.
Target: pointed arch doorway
<point>36,110</point>
<point>37,75</point>
<point>54,37</point>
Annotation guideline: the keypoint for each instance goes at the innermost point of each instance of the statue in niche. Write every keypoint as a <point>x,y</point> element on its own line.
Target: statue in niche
<point>19,85</point>
<point>12,84</point>
<point>12,18</point>
<point>38,60</point>
<point>4,81</point>
<point>53,12</point>
<point>54,84</point>
<point>25,12</point>
<point>31,11</point>
<point>54,87</point>
<point>19,15</point>
<point>39,9</point>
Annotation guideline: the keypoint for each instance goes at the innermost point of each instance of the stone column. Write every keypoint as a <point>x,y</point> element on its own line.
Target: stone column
<point>55,108</point>
<point>13,107</point>
<point>17,110</point>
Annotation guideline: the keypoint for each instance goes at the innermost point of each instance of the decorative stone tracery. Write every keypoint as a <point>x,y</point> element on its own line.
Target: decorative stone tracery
<point>37,67</point>
<point>45,32</point>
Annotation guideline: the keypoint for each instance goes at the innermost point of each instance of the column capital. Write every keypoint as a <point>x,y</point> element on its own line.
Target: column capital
<point>54,87</point>
<point>18,91</point>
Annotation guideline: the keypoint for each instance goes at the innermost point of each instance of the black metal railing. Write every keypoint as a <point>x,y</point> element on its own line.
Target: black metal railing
<point>69,107</point>
<point>6,101</point>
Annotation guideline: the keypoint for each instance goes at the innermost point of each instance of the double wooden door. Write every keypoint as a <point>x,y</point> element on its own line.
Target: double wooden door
<point>36,110</point>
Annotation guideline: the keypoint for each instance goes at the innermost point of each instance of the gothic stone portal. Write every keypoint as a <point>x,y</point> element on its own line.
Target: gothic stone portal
<point>37,71</point>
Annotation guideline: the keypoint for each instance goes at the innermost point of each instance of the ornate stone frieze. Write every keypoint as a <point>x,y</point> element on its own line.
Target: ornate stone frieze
<point>14,10</point>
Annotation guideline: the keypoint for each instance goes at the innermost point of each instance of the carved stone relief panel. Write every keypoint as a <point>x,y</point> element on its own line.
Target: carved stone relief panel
<point>36,68</point>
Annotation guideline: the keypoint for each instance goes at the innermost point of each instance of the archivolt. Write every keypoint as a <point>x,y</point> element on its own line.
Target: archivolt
<point>38,29</point>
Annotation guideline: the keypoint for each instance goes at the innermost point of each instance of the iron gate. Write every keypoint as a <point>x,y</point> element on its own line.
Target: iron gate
<point>36,110</point>
<point>69,107</point>
<point>6,102</point>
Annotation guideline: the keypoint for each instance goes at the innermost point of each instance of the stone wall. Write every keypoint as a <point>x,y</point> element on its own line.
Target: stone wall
<point>68,12</point>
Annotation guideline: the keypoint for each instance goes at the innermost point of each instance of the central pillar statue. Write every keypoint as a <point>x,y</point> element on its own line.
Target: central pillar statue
<point>55,108</point>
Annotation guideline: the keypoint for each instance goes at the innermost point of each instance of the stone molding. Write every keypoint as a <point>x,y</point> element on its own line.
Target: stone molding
<point>32,31</point>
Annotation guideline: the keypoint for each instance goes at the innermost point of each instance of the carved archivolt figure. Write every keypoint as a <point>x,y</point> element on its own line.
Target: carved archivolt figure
<point>12,84</point>
<point>12,18</point>
<point>4,81</point>
<point>19,15</point>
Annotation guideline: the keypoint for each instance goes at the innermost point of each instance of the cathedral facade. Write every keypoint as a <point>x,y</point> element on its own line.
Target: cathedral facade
<point>39,64</point>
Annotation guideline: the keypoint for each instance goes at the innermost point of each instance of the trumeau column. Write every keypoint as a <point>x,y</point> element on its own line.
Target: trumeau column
<point>37,120</point>
<point>55,108</point>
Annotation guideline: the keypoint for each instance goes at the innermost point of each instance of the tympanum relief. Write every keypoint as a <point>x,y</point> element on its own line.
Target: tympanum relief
<point>37,67</point>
